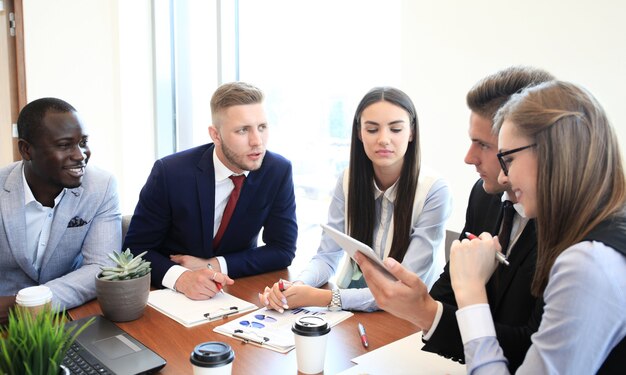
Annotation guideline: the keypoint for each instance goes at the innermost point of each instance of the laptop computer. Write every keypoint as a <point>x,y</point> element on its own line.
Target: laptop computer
<point>108,349</point>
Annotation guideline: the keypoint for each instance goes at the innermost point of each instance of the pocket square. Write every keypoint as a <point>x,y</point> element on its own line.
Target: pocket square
<point>76,222</point>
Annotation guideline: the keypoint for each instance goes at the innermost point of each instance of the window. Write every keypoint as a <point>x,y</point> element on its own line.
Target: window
<point>313,59</point>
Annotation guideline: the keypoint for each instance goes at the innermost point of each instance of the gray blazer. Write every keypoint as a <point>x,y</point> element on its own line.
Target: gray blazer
<point>87,225</point>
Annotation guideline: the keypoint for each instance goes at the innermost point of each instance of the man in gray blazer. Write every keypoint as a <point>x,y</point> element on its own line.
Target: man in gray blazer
<point>58,218</point>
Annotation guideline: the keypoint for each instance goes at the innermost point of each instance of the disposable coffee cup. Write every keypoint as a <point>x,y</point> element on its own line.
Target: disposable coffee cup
<point>34,298</point>
<point>212,358</point>
<point>311,334</point>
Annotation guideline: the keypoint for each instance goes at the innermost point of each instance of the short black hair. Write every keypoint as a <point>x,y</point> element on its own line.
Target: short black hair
<point>31,116</point>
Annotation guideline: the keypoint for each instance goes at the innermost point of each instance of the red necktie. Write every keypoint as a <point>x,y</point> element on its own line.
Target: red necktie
<point>230,208</point>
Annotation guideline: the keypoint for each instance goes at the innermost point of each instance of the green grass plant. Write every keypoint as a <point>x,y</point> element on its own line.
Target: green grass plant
<point>35,344</point>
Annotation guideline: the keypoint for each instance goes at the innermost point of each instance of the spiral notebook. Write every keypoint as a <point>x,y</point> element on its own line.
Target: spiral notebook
<point>272,330</point>
<point>190,312</point>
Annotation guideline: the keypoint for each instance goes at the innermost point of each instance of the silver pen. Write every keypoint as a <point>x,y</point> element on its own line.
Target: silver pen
<point>499,256</point>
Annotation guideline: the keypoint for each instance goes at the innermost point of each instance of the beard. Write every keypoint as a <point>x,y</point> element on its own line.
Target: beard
<point>240,161</point>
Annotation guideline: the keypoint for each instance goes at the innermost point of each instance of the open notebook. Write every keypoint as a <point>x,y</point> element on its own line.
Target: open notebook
<point>189,312</point>
<point>271,329</point>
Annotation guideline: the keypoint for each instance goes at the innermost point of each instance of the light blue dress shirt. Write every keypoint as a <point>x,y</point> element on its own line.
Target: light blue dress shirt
<point>427,235</point>
<point>583,319</point>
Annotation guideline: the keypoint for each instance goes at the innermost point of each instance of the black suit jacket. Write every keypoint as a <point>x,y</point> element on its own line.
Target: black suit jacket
<point>515,311</point>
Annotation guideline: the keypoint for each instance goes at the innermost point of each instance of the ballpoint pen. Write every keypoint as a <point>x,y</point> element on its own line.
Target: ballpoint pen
<point>499,256</point>
<point>283,284</point>
<point>363,336</point>
<point>217,284</point>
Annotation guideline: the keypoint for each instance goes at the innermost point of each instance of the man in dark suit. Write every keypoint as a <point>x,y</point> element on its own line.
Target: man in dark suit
<point>200,212</point>
<point>515,311</point>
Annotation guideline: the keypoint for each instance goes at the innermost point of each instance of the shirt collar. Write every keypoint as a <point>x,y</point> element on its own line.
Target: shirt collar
<point>221,171</point>
<point>390,193</point>
<point>28,194</point>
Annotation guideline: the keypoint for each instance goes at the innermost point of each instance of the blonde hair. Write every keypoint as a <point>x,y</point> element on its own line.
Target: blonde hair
<point>580,177</point>
<point>232,94</point>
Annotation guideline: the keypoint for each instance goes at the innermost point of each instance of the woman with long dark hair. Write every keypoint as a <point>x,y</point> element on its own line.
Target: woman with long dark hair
<point>383,200</point>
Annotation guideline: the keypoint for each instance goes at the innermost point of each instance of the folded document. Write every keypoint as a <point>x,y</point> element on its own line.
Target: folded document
<point>190,312</point>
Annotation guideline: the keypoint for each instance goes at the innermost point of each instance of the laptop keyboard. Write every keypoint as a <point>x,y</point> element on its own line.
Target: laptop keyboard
<point>80,362</point>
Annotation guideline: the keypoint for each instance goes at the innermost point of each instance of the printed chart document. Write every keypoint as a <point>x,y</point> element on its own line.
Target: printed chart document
<point>272,330</point>
<point>189,312</point>
<point>404,357</point>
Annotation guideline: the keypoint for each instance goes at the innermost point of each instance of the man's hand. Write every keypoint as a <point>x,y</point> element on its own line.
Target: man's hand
<point>406,298</point>
<point>191,262</point>
<point>201,284</point>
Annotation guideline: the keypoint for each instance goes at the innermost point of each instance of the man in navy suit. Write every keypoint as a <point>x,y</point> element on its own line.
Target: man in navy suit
<point>515,311</point>
<point>183,203</point>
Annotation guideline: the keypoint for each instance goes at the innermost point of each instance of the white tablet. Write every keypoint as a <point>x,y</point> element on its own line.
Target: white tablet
<point>351,246</point>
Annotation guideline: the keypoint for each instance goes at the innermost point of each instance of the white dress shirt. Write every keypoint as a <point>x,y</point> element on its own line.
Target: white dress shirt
<point>38,223</point>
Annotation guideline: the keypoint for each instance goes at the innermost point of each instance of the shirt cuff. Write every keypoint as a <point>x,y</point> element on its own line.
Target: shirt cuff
<point>427,335</point>
<point>475,321</point>
<point>223,266</point>
<point>169,280</point>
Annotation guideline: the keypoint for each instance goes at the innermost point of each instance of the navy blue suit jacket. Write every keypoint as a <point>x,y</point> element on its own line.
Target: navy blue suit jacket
<point>175,215</point>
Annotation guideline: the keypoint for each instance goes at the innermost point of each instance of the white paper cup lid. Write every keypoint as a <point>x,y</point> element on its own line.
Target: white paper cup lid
<point>34,296</point>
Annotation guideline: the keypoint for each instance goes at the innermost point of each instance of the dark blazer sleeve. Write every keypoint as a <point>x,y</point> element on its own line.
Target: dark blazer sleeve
<point>515,312</point>
<point>151,223</point>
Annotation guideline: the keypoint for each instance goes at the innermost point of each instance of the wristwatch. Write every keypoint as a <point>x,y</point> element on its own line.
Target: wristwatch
<point>335,301</point>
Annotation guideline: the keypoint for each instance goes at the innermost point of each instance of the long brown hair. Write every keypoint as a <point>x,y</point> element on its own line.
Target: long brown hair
<point>580,177</point>
<point>361,213</point>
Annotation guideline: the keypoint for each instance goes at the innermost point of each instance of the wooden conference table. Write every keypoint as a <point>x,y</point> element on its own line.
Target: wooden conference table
<point>174,342</point>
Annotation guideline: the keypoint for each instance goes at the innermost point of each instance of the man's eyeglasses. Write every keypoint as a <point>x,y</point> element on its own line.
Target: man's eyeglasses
<point>505,163</point>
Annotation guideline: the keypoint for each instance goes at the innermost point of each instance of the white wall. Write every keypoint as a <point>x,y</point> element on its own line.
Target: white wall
<point>448,45</point>
<point>97,55</point>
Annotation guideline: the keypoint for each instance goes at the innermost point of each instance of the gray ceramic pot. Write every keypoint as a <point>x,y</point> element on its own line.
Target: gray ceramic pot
<point>123,300</point>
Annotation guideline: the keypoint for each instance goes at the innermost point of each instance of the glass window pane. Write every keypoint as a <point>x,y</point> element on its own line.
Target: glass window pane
<point>315,60</point>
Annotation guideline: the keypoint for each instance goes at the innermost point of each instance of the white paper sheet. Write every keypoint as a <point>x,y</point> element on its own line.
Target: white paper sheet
<point>404,357</point>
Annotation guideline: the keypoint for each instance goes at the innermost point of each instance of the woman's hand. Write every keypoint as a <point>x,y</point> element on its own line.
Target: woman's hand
<point>471,265</point>
<point>293,295</point>
<point>407,297</point>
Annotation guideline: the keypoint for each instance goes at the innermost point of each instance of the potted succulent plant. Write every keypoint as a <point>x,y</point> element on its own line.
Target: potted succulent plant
<point>36,344</point>
<point>123,289</point>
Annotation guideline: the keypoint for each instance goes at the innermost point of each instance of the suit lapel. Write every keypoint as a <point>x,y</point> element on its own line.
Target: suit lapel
<point>65,211</point>
<point>205,182</point>
<point>520,251</point>
<point>12,207</point>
